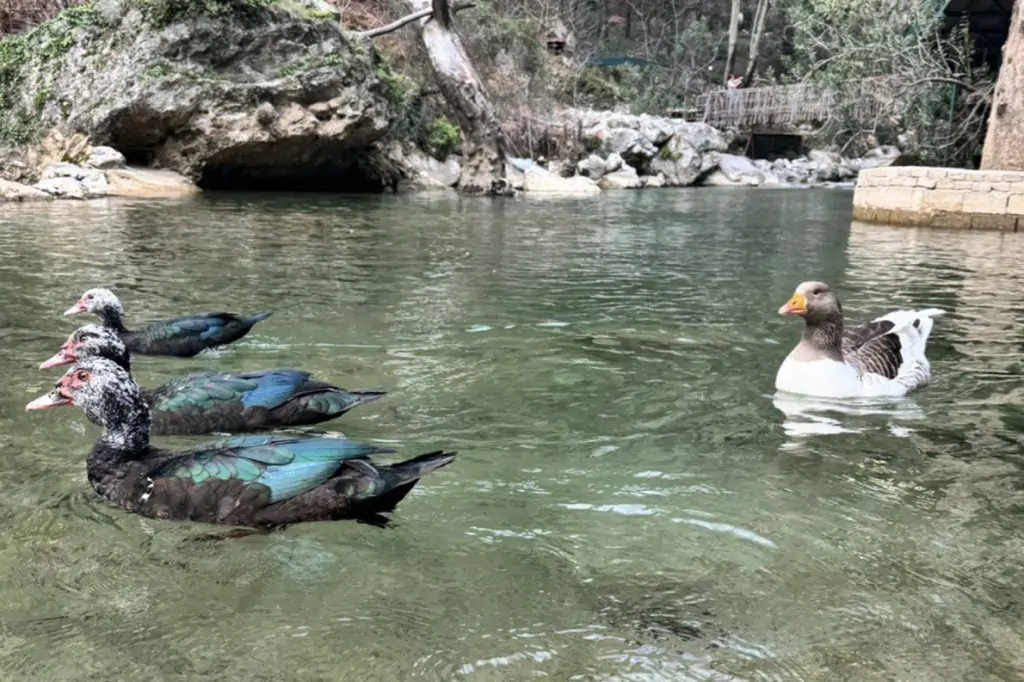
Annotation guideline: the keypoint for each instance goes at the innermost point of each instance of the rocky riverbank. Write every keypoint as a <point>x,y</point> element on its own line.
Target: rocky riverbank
<point>160,98</point>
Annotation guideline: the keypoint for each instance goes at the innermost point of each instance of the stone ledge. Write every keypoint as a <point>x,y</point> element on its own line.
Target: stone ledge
<point>940,197</point>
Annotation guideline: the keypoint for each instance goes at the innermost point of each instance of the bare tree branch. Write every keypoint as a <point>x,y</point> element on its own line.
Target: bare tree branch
<point>408,19</point>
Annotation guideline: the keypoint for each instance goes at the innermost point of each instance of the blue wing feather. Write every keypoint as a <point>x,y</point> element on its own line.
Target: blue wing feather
<point>273,387</point>
<point>286,465</point>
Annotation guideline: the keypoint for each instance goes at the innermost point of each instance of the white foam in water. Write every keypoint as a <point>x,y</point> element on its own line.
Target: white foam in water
<point>480,328</point>
<point>552,324</point>
<point>624,509</point>
<point>741,533</point>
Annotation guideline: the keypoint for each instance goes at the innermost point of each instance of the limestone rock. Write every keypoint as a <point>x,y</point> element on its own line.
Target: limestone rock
<point>691,153</point>
<point>735,171</point>
<point>613,163</point>
<point>148,183</point>
<point>93,182</point>
<point>15,191</point>
<point>539,181</point>
<point>878,157</point>
<point>592,167</point>
<point>624,178</point>
<point>105,157</point>
<point>653,180</point>
<point>214,97</point>
<point>62,188</point>
<point>426,172</point>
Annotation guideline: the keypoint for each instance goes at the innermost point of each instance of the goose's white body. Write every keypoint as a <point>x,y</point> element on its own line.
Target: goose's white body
<point>827,378</point>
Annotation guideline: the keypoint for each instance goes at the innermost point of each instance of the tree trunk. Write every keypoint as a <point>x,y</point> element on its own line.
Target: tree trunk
<point>483,143</point>
<point>760,21</point>
<point>1004,142</point>
<point>734,35</point>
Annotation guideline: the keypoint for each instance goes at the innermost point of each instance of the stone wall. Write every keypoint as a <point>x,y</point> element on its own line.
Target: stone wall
<point>940,197</point>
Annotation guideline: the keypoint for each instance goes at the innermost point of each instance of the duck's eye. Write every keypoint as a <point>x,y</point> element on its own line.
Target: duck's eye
<point>88,297</point>
<point>82,375</point>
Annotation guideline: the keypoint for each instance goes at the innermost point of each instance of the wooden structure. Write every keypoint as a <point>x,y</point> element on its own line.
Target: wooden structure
<point>785,106</point>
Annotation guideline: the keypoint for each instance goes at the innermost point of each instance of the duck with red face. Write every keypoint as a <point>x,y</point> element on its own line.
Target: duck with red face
<point>180,337</point>
<point>210,401</point>
<point>257,481</point>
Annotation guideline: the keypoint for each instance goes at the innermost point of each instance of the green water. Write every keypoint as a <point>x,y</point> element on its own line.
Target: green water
<point>629,502</point>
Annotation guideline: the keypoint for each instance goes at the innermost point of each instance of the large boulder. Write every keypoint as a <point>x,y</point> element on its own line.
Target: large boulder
<point>272,97</point>
<point>736,171</point>
<point>691,153</point>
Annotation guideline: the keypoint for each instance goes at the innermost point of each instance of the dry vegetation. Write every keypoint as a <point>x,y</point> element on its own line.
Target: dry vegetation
<point>19,15</point>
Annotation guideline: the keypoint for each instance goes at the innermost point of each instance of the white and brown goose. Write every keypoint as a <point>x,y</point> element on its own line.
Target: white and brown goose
<point>884,357</point>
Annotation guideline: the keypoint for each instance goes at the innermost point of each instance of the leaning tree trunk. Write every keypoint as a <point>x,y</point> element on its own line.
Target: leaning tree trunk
<point>483,168</point>
<point>1004,142</point>
<point>760,21</point>
<point>734,36</point>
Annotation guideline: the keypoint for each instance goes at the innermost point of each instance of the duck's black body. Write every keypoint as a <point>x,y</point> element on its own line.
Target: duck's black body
<point>242,485</point>
<point>181,337</point>
<point>256,480</point>
<point>185,337</point>
<point>210,401</point>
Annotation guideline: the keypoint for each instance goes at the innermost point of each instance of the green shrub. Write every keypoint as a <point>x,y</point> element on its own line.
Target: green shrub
<point>442,136</point>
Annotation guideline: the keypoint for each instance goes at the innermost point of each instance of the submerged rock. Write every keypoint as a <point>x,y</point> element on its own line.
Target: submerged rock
<point>260,98</point>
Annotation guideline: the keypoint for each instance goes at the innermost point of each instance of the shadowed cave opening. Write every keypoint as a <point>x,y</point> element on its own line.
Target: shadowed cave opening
<point>322,177</point>
<point>299,164</point>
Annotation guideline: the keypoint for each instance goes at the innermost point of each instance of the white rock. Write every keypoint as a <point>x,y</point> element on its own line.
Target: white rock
<point>15,191</point>
<point>429,173</point>
<point>105,157</point>
<point>624,178</point>
<point>62,188</point>
<point>148,183</point>
<point>540,181</point>
<point>613,163</point>
<point>592,167</point>
<point>653,180</point>
<point>735,171</point>
<point>93,182</point>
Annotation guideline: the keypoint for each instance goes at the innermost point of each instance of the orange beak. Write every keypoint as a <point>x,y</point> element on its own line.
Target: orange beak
<point>797,305</point>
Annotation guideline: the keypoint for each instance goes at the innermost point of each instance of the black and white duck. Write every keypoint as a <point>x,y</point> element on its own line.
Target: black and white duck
<point>211,401</point>
<point>256,481</point>
<point>181,337</point>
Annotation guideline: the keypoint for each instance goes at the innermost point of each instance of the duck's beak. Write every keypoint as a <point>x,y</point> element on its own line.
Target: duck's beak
<point>797,305</point>
<point>48,401</point>
<point>61,357</point>
<point>75,309</point>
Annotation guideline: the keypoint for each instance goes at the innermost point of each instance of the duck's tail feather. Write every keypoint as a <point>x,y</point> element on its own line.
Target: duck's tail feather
<point>377,489</point>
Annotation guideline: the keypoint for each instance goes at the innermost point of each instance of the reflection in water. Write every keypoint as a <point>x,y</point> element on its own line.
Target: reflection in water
<point>632,500</point>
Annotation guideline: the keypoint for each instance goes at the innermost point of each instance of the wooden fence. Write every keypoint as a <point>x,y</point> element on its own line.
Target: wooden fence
<point>790,105</point>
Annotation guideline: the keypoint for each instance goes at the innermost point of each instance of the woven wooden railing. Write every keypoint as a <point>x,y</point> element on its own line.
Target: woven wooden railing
<point>783,105</point>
